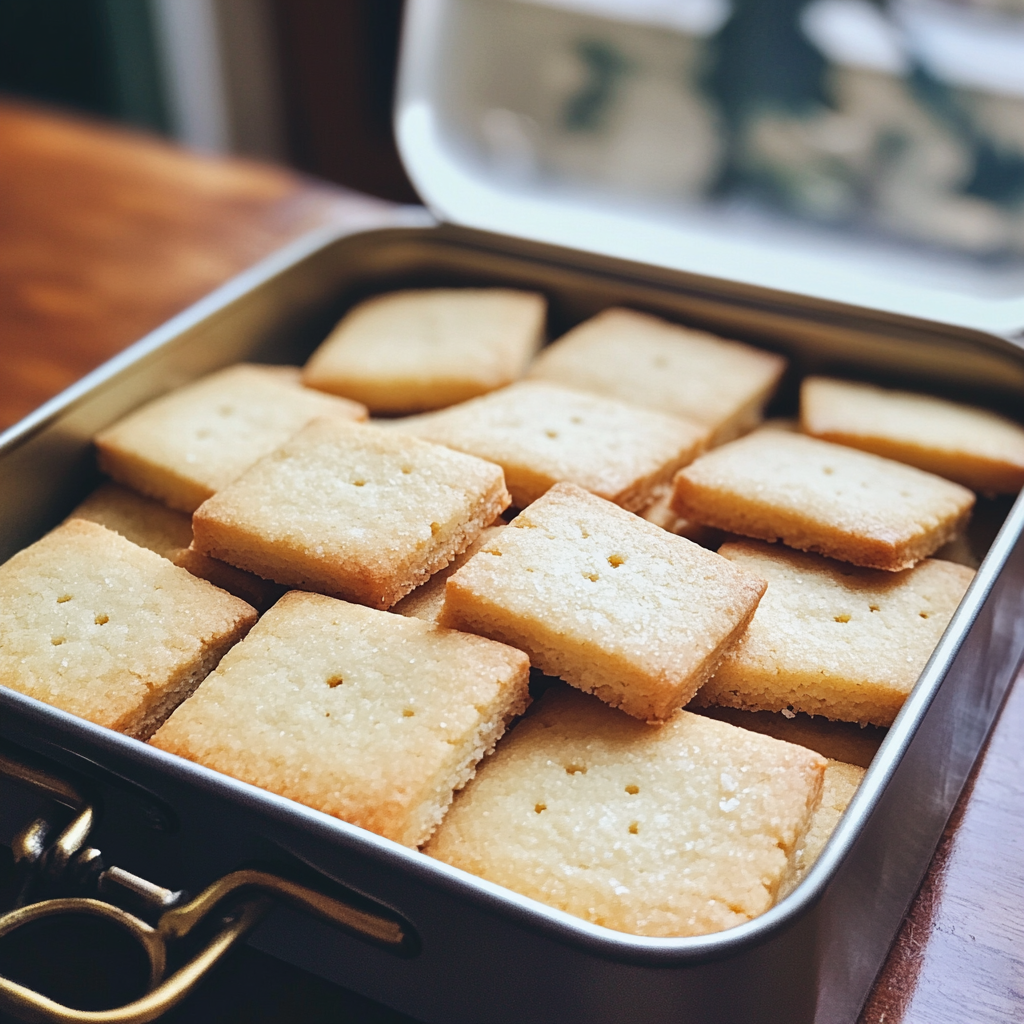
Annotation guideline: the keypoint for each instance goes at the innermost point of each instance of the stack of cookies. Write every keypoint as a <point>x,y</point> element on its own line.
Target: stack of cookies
<point>346,612</point>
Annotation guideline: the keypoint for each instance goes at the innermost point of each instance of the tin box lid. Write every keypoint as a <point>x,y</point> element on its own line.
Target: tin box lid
<point>834,149</point>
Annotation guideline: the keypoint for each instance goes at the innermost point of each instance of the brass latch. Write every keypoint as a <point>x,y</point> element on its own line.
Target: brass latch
<point>240,900</point>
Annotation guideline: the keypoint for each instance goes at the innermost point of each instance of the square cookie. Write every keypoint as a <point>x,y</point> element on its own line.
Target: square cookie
<point>612,604</point>
<point>649,362</point>
<point>661,513</point>
<point>541,434</point>
<point>972,446</point>
<point>840,786</point>
<point>372,717</point>
<point>683,829</point>
<point>427,600</point>
<point>185,446</point>
<point>352,511</point>
<point>823,497</point>
<point>833,639</point>
<point>153,525</point>
<point>96,625</point>
<point>145,522</point>
<point>416,350</point>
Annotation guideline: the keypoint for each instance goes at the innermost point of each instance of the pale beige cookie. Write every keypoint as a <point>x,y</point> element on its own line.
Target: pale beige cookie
<point>834,639</point>
<point>661,513</point>
<point>683,829</point>
<point>258,592</point>
<point>368,716</point>
<point>416,350</point>
<point>823,497</point>
<point>427,600</point>
<point>185,446</point>
<point>541,434</point>
<point>659,365</point>
<point>145,522</point>
<point>612,604</point>
<point>108,630</point>
<point>841,784</point>
<point>351,511</point>
<point>972,446</point>
<point>839,741</point>
<point>153,525</point>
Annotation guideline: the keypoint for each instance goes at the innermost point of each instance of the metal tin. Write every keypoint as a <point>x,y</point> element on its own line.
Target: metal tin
<point>486,953</point>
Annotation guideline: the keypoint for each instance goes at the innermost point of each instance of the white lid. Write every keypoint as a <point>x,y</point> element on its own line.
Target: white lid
<point>588,124</point>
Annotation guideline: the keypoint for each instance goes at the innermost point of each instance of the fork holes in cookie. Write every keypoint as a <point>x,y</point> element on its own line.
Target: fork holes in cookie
<point>632,789</point>
<point>616,560</point>
<point>540,807</point>
<point>843,618</point>
<point>63,598</point>
<point>634,828</point>
<point>102,619</point>
<point>334,681</point>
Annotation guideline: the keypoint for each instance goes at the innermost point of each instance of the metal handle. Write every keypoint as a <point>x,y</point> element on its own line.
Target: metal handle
<point>243,897</point>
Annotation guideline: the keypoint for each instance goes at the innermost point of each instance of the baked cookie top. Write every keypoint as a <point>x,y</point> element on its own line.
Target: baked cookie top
<point>834,639</point>
<point>416,350</point>
<point>185,446</point>
<point>680,829</point>
<point>612,604</point>
<point>96,625</point>
<point>822,497</point>
<point>650,362</point>
<point>352,511</point>
<point>371,717</point>
<point>974,447</point>
<point>542,434</point>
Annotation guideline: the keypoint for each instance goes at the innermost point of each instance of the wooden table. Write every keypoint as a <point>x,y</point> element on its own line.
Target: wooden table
<point>104,235</point>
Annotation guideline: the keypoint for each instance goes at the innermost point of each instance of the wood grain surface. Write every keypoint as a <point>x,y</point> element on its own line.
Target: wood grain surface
<point>104,235</point>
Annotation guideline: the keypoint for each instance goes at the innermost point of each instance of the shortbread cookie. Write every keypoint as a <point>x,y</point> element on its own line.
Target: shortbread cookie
<point>416,350</point>
<point>368,716</point>
<point>352,511</point>
<point>258,592</point>
<point>185,446</point>
<point>153,525</point>
<point>972,446</point>
<point>841,784</point>
<point>612,604</point>
<point>427,600</point>
<point>661,513</point>
<point>658,365</point>
<point>833,639</point>
<point>682,829</point>
<point>848,742</point>
<point>145,522</point>
<point>823,497</point>
<point>110,631</point>
<point>541,435</point>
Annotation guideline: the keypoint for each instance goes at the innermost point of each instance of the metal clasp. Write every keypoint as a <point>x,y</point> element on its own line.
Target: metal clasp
<point>241,899</point>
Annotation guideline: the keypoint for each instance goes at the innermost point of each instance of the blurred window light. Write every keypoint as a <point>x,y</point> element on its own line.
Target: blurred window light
<point>187,30</point>
<point>855,33</point>
<point>695,17</point>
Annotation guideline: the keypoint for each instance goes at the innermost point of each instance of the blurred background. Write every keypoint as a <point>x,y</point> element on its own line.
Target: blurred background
<point>888,119</point>
<point>303,82</point>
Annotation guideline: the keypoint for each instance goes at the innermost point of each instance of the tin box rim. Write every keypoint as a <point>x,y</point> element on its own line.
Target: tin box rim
<point>605,943</point>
